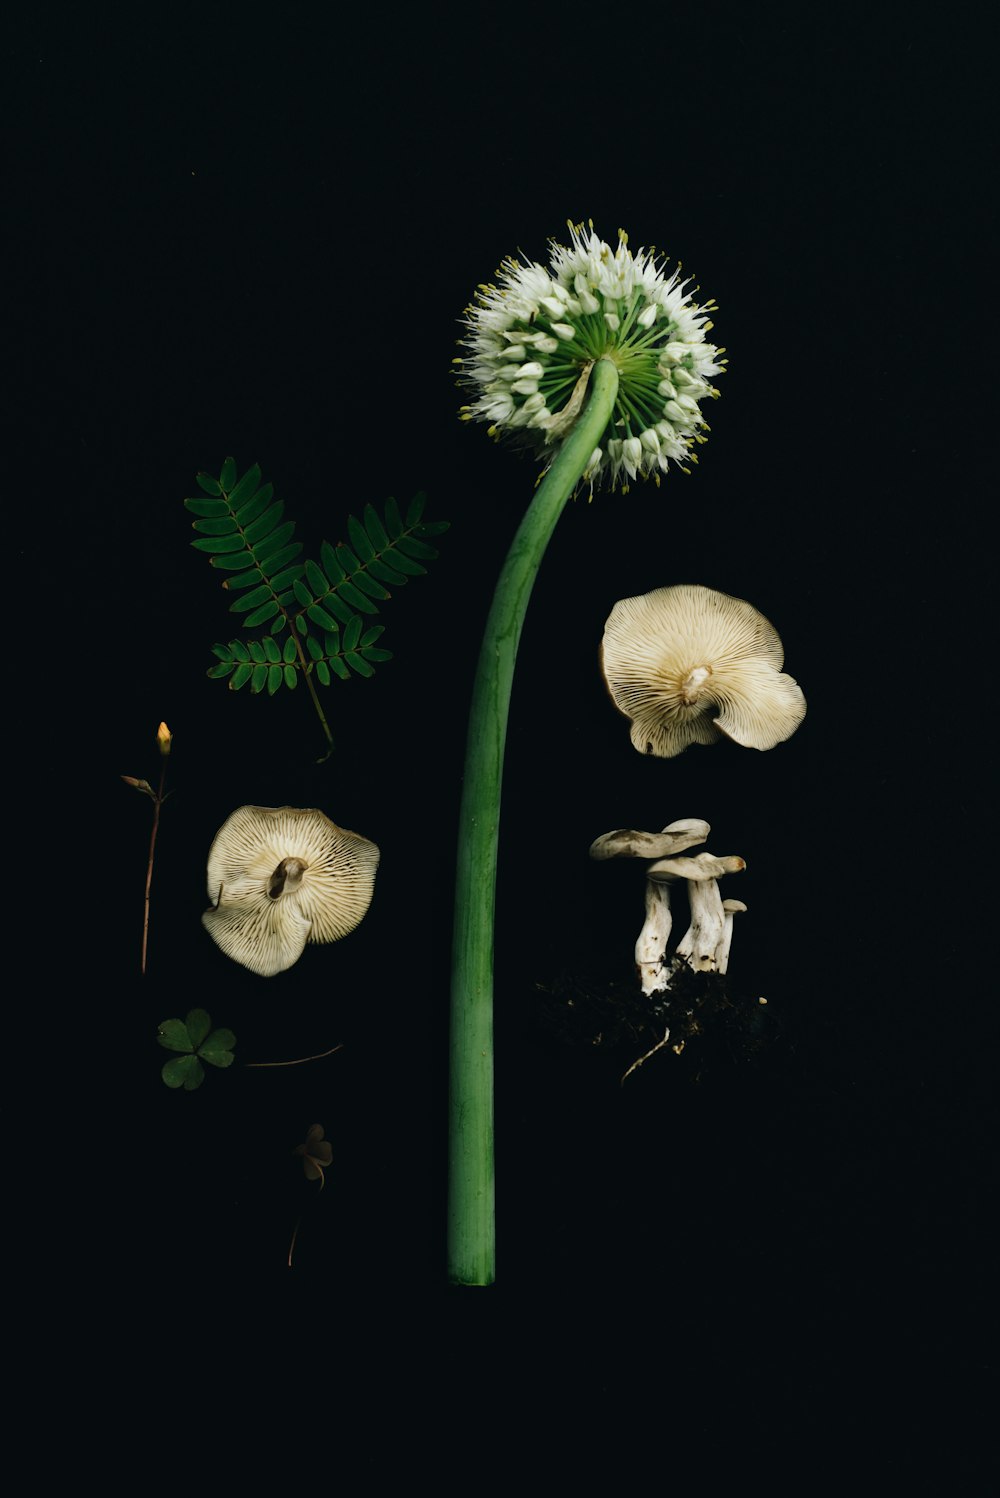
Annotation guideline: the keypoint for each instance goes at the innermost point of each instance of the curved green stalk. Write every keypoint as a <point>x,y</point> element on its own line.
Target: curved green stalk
<point>471,1234</point>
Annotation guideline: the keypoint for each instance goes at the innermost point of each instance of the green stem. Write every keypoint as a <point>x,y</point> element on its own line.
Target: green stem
<point>471,1226</point>
<point>307,673</point>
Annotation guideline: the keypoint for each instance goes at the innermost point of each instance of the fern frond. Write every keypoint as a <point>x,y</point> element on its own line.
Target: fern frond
<point>323,605</point>
<point>353,578</point>
<point>264,666</point>
<point>243,531</point>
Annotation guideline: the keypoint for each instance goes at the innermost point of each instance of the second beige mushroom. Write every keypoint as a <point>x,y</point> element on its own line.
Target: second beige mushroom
<point>279,877</point>
<point>688,665</point>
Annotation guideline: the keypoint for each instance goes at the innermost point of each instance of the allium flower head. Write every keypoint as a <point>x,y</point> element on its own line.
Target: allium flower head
<point>533,339</point>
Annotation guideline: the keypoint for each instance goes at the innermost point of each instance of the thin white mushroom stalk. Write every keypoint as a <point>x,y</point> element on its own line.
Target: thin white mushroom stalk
<point>731,908</point>
<point>700,942</point>
<point>651,946</point>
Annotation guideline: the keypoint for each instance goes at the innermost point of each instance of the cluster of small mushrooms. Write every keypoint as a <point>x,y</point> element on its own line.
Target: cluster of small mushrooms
<point>279,877</point>
<point>706,944</point>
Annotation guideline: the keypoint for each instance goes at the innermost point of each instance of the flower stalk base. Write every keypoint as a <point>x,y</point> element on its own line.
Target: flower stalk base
<point>471,1196</point>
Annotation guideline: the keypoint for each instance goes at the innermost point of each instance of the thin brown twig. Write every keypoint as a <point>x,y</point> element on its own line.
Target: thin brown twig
<point>299,1060</point>
<point>291,1246</point>
<point>158,800</point>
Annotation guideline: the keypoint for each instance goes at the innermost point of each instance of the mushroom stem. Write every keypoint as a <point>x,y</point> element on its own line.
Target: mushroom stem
<point>651,947</point>
<point>698,945</point>
<point>471,1225</point>
<point>730,907</point>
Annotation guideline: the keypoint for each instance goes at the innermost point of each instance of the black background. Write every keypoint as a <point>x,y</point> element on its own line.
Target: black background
<point>256,236</point>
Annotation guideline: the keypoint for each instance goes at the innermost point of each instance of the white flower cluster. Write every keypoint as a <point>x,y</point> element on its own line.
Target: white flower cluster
<point>533,339</point>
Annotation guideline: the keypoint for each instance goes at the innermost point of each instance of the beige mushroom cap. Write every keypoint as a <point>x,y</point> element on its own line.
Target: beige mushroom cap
<point>687,664</point>
<point>279,877</point>
<point>702,866</point>
<point>626,842</point>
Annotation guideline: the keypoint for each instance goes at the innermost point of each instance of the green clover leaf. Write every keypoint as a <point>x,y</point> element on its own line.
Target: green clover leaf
<point>194,1037</point>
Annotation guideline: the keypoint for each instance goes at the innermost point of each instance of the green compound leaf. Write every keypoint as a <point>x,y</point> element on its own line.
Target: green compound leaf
<point>195,1036</point>
<point>242,529</point>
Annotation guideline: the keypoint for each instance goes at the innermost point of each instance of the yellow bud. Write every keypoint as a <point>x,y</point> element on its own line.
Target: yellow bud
<point>164,739</point>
